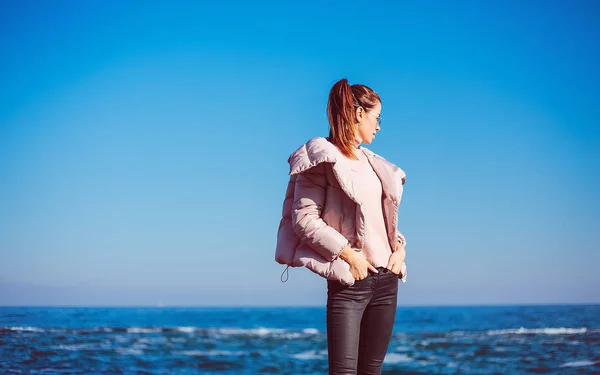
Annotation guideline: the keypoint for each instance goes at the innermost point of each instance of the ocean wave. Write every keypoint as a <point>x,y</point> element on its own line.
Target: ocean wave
<point>539,331</point>
<point>397,358</point>
<point>102,329</point>
<point>578,364</point>
<point>129,351</point>
<point>250,331</point>
<point>211,353</point>
<point>77,347</point>
<point>186,329</point>
<point>311,355</point>
<point>72,348</point>
<point>260,332</point>
<point>144,330</point>
<point>23,329</point>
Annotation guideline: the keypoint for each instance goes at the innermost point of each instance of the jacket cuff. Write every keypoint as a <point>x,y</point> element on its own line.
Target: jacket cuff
<point>400,238</point>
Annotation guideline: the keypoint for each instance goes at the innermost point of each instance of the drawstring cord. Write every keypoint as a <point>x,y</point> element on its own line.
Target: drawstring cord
<point>287,275</point>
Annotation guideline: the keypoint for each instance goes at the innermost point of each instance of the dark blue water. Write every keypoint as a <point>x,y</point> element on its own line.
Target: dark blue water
<point>430,340</point>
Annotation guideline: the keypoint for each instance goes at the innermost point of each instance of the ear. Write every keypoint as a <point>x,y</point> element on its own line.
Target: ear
<point>359,113</point>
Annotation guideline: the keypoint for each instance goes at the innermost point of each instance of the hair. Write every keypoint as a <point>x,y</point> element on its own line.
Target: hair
<point>341,107</point>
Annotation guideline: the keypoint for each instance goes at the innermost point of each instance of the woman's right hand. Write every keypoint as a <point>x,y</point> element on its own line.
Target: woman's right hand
<point>359,265</point>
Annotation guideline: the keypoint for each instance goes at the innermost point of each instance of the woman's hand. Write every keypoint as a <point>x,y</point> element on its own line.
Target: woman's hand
<point>396,259</point>
<point>359,265</point>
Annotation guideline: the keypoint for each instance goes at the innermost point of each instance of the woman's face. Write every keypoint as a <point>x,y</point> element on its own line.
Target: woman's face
<point>368,123</point>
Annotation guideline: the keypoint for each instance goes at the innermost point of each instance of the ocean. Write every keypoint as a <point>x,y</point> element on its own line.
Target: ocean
<point>168,340</point>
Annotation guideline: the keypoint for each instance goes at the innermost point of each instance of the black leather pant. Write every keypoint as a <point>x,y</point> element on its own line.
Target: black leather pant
<point>360,320</point>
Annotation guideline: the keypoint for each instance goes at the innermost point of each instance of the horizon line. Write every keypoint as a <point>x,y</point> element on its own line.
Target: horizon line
<point>185,306</point>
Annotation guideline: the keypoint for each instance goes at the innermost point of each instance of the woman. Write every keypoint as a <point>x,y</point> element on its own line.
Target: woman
<point>339,220</point>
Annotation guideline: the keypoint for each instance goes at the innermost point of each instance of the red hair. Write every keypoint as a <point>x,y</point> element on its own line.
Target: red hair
<point>341,107</point>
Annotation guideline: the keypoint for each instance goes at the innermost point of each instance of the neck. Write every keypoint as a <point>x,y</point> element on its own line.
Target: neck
<point>357,142</point>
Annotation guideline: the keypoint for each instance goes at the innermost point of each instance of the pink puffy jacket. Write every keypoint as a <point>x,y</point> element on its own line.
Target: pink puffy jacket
<point>321,213</point>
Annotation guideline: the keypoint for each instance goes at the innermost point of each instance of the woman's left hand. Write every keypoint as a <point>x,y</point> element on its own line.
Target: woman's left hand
<point>396,259</point>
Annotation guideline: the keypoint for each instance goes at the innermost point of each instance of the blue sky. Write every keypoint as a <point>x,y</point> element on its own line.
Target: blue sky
<point>143,146</point>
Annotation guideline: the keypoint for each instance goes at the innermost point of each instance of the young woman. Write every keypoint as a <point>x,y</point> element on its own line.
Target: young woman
<point>339,220</point>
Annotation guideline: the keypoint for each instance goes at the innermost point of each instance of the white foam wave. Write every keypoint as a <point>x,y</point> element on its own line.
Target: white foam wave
<point>129,351</point>
<point>538,331</point>
<point>247,332</point>
<point>397,358</point>
<point>186,329</point>
<point>25,329</point>
<point>458,333</point>
<point>251,332</point>
<point>264,332</point>
<point>211,353</point>
<point>311,354</point>
<point>72,348</point>
<point>290,336</point>
<point>143,330</point>
<point>76,347</point>
<point>578,364</point>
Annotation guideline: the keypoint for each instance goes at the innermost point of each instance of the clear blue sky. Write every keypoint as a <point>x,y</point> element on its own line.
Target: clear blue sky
<point>143,146</point>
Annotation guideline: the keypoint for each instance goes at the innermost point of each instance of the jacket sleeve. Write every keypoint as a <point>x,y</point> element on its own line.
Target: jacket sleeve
<point>309,198</point>
<point>400,237</point>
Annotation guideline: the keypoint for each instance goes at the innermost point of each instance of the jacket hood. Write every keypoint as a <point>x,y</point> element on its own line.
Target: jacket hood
<point>314,152</point>
<point>319,150</point>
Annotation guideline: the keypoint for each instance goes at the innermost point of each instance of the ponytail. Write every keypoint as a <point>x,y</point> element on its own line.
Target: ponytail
<point>341,107</point>
<point>340,111</point>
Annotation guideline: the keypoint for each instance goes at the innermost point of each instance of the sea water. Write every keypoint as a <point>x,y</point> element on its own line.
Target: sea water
<point>168,340</point>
